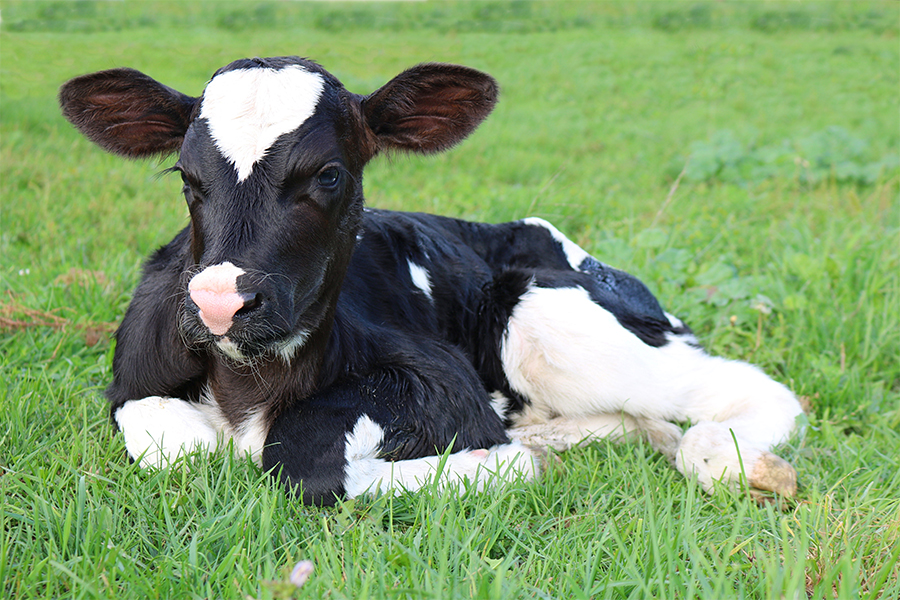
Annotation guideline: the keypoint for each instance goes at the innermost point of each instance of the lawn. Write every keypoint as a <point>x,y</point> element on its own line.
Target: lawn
<point>741,158</point>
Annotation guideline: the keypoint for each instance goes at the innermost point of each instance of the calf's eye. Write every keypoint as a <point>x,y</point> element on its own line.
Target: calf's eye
<point>329,177</point>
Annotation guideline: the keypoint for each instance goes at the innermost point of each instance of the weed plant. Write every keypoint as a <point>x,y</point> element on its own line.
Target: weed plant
<point>741,158</point>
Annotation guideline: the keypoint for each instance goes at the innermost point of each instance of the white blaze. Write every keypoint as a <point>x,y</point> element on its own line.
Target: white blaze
<point>248,109</point>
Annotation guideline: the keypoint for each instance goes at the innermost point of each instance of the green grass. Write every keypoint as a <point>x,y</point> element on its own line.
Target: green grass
<point>780,244</point>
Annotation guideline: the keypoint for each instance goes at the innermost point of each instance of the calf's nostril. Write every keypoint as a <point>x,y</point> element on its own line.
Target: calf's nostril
<point>251,303</point>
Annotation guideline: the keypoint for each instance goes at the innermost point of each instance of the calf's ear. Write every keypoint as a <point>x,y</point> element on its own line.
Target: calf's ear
<point>429,108</point>
<point>126,112</point>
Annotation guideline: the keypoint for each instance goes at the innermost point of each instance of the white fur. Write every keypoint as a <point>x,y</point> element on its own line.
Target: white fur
<point>250,437</point>
<point>248,109</point>
<point>285,350</point>
<point>289,348</point>
<point>574,361</point>
<point>420,278</point>
<point>562,433</point>
<point>689,338</point>
<point>365,473</point>
<point>574,253</point>
<point>709,451</point>
<point>231,350</point>
<point>500,404</point>
<point>157,430</point>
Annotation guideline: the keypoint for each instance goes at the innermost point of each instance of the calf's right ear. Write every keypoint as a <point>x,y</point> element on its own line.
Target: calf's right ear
<point>127,113</point>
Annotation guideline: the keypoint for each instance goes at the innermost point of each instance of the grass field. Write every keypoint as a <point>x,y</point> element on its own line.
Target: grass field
<point>742,159</point>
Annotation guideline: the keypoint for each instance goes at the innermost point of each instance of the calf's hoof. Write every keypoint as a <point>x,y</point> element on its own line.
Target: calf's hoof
<point>774,474</point>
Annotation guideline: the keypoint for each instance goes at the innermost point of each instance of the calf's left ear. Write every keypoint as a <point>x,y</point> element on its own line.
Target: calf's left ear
<point>429,107</point>
<point>126,112</point>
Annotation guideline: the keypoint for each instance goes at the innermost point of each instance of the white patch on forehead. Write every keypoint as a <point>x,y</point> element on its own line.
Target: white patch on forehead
<point>248,109</point>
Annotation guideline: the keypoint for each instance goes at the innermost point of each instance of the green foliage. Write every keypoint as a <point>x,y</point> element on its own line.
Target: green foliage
<point>779,244</point>
<point>832,153</point>
<point>513,16</point>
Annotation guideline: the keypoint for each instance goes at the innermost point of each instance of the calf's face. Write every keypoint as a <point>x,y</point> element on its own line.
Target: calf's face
<point>272,170</point>
<point>271,156</point>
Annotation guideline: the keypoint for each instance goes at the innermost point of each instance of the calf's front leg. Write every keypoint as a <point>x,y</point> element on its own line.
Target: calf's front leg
<point>154,371</point>
<point>396,428</point>
<point>157,430</point>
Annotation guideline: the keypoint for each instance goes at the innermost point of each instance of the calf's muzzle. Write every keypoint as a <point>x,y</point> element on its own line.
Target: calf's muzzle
<point>214,292</point>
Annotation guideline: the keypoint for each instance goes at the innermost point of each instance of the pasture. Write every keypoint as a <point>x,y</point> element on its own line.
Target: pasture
<point>741,159</point>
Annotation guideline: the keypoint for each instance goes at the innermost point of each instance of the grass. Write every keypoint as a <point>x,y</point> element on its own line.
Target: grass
<point>779,243</point>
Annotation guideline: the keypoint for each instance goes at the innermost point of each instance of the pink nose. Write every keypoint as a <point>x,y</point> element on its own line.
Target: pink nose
<point>214,291</point>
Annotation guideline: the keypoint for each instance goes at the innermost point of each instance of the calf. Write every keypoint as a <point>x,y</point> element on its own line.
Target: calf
<point>346,349</point>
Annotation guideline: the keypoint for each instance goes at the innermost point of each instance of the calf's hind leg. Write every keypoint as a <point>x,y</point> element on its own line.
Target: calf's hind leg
<point>563,432</point>
<point>585,375</point>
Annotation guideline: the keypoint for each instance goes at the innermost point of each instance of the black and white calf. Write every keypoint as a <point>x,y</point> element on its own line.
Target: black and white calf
<point>346,348</point>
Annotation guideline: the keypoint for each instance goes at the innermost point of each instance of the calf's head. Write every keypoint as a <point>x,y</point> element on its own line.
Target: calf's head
<point>271,155</point>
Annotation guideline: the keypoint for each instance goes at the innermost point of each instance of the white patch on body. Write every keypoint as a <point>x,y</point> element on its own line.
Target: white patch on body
<point>250,436</point>
<point>500,404</point>
<point>575,254</point>
<point>366,473</point>
<point>690,338</point>
<point>674,321</point>
<point>573,360</point>
<point>420,278</point>
<point>248,109</point>
<point>571,357</point>
<point>214,291</point>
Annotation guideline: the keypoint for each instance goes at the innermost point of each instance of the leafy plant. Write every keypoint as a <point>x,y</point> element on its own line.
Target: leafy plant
<point>832,154</point>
